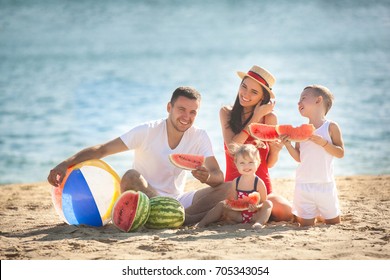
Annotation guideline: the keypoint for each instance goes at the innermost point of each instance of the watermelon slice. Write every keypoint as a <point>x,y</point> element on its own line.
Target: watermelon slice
<point>242,204</point>
<point>296,134</point>
<point>187,161</point>
<point>263,132</point>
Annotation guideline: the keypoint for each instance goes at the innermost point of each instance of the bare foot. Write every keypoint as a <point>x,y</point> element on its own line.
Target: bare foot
<point>258,226</point>
<point>199,225</point>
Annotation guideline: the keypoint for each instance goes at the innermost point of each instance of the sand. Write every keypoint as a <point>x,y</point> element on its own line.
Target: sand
<point>31,230</point>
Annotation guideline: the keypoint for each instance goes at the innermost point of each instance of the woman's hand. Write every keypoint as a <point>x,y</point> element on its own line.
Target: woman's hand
<point>262,110</point>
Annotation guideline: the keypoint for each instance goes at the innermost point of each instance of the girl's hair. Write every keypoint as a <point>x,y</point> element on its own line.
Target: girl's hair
<point>235,121</point>
<point>326,94</point>
<point>245,150</point>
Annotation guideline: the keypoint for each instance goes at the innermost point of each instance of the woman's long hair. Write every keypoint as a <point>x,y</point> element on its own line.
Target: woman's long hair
<point>235,121</point>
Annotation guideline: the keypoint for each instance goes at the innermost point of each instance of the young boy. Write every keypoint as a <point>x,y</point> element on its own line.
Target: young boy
<point>315,188</point>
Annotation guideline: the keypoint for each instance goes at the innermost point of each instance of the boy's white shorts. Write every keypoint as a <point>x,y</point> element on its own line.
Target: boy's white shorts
<point>316,199</point>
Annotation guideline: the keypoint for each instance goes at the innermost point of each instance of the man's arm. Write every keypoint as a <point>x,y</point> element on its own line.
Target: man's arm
<point>115,146</point>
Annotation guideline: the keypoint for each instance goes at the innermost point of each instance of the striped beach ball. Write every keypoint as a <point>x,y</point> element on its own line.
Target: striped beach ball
<point>87,194</point>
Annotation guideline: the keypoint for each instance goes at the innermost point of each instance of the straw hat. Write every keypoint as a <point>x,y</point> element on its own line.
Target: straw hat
<point>262,76</point>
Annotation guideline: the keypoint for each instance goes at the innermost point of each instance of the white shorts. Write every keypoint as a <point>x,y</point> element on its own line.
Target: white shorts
<point>186,198</point>
<point>316,199</point>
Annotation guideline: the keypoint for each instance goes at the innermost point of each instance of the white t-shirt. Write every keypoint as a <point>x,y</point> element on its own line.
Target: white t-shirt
<point>316,164</point>
<point>151,154</point>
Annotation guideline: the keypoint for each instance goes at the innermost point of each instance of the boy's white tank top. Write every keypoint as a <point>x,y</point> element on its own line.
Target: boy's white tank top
<point>316,164</point>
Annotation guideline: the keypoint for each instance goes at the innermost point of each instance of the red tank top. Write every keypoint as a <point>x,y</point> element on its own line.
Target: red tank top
<point>232,172</point>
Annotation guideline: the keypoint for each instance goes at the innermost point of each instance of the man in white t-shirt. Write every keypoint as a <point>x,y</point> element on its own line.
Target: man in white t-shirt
<point>152,171</point>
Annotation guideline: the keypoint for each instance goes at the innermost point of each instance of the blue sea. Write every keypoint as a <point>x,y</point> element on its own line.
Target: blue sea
<point>78,73</point>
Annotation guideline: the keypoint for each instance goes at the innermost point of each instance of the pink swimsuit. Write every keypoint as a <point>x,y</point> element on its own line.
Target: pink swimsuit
<point>246,214</point>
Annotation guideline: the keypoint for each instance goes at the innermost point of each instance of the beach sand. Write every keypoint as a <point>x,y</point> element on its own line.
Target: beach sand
<point>31,230</point>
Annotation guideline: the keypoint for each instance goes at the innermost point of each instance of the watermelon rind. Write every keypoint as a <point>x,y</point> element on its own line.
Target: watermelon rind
<point>165,213</point>
<point>142,213</point>
<point>187,165</point>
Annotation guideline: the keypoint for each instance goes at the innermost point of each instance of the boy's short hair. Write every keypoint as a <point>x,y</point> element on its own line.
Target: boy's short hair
<point>188,92</point>
<point>326,94</point>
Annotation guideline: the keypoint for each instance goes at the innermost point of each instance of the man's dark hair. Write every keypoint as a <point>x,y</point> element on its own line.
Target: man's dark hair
<point>188,92</point>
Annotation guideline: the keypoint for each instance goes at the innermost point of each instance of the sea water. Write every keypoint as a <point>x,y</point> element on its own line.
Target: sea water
<point>78,73</point>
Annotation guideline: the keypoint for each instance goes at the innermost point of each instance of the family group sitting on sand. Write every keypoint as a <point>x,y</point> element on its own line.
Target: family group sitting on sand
<point>247,162</point>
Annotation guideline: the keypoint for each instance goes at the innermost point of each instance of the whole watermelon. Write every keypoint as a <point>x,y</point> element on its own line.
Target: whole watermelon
<point>165,212</point>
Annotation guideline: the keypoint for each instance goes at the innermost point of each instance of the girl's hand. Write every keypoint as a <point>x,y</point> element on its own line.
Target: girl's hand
<point>226,205</point>
<point>252,207</point>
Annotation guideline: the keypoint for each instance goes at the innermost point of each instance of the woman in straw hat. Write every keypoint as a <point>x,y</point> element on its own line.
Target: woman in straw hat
<point>254,104</point>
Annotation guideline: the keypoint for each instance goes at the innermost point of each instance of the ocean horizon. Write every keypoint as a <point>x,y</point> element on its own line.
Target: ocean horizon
<point>75,74</point>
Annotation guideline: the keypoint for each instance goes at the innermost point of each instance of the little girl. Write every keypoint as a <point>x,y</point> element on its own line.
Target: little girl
<point>247,160</point>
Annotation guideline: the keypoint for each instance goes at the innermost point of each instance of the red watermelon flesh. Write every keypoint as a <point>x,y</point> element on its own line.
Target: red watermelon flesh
<point>187,161</point>
<point>242,204</point>
<point>263,132</point>
<point>124,210</point>
<point>296,134</point>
